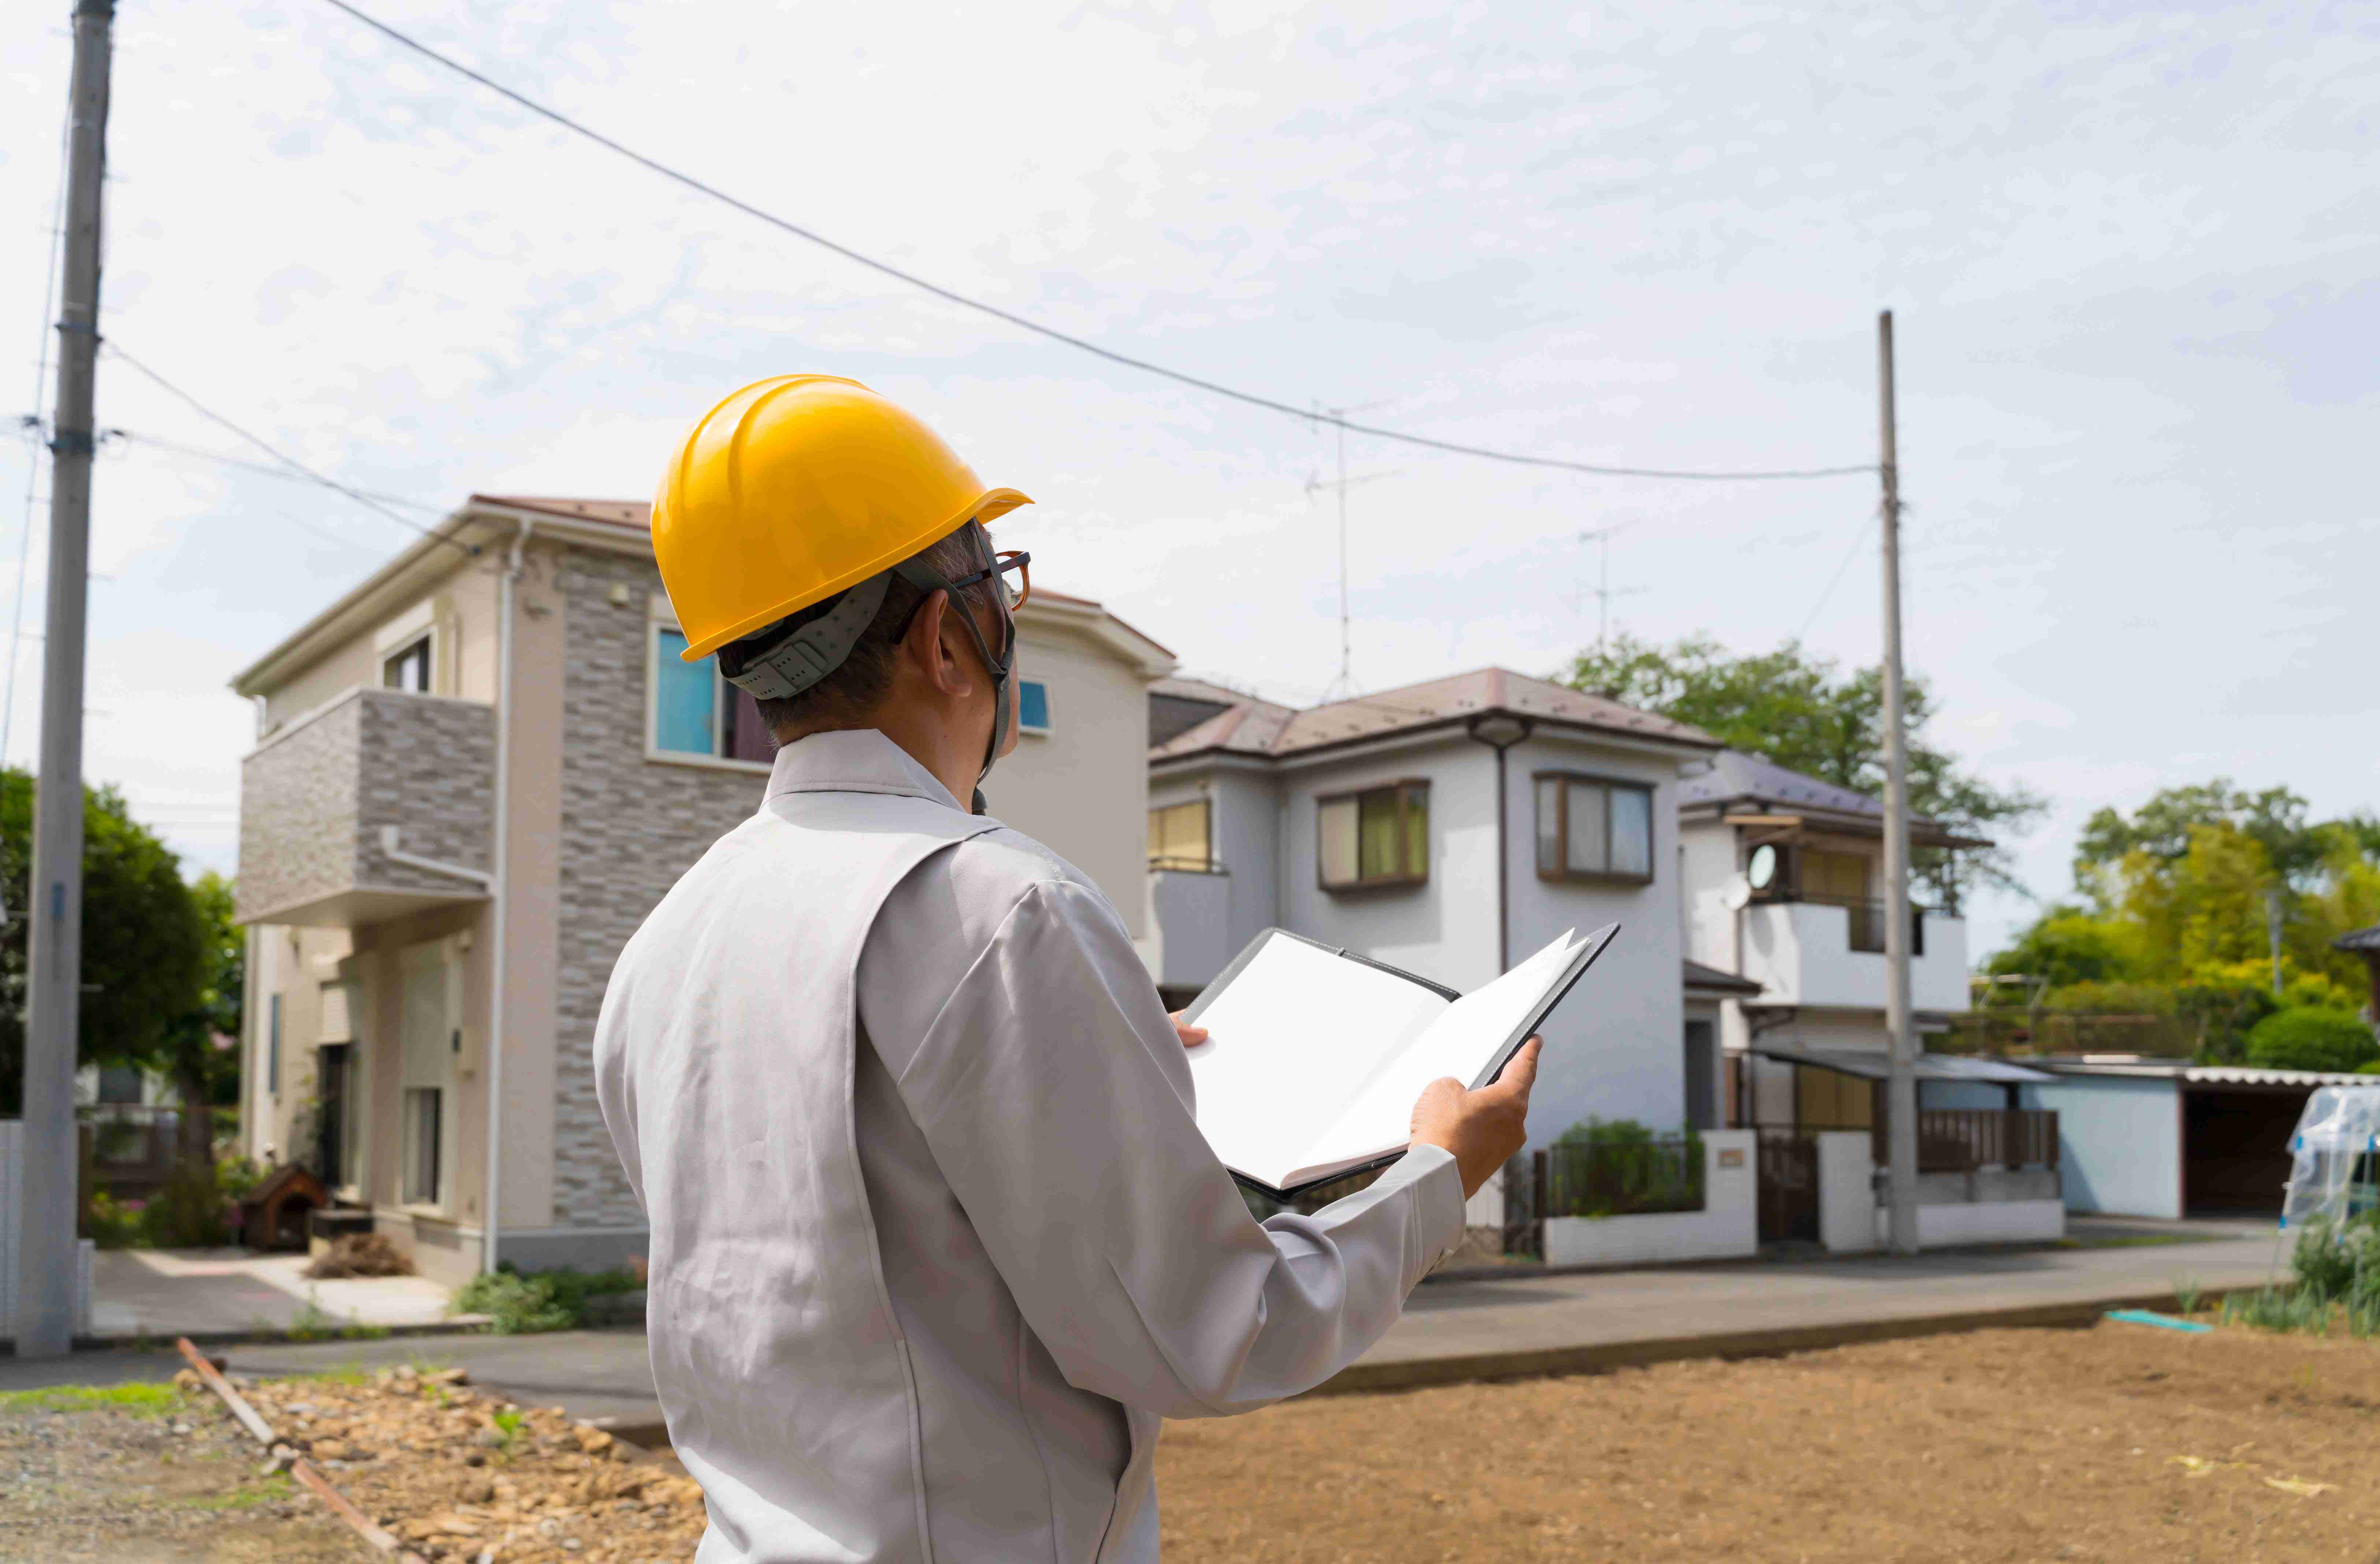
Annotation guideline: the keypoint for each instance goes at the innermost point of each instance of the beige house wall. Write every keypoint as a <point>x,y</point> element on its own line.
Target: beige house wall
<point>1081,790</point>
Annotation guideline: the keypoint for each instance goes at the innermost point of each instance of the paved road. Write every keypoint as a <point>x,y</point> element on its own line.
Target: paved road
<point>1451,1330</point>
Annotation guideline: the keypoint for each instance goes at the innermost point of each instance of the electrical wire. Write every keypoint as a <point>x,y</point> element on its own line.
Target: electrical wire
<point>216,456</point>
<point>1859,546</point>
<point>34,425</point>
<point>358,495</point>
<point>1306,415</point>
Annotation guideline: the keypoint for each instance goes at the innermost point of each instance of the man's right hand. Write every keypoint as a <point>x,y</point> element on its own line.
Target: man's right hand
<point>1483,1129</point>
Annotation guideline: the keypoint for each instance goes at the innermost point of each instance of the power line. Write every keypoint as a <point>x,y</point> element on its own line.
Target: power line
<point>358,495</point>
<point>34,425</point>
<point>809,235</point>
<point>1859,547</point>
<point>218,457</point>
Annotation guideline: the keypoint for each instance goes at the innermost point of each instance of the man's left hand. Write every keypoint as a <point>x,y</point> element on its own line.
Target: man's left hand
<point>1191,1036</point>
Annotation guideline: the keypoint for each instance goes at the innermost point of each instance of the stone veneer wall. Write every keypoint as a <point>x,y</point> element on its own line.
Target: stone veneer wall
<point>630,827</point>
<point>297,813</point>
<point>313,798</point>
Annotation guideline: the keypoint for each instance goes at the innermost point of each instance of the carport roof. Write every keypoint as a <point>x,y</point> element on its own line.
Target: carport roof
<point>1873,1066</point>
<point>2205,1074</point>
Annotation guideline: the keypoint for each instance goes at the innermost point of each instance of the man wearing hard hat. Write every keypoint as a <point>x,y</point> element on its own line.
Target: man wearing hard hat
<point>936,1241</point>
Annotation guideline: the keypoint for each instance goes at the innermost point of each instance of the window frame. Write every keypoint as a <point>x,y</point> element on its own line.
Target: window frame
<point>1609,784</point>
<point>1032,729</point>
<point>658,618</point>
<point>425,646</point>
<point>272,1045</point>
<point>409,1161</point>
<point>1207,864</point>
<point>1407,789</point>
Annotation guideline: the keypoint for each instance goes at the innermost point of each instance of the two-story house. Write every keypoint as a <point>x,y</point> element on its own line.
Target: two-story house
<point>474,775</point>
<point>1784,886</point>
<point>1447,828</point>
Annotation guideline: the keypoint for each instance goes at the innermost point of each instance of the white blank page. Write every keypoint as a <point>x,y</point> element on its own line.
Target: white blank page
<point>1293,1037</point>
<point>1460,1042</point>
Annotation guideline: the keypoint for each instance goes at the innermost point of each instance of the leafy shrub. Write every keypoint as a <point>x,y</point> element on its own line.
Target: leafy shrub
<point>235,1176</point>
<point>190,1212</point>
<point>2310,1038</point>
<point>1606,1132</point>
<point>518,1303</point>
<point>112,1224</point>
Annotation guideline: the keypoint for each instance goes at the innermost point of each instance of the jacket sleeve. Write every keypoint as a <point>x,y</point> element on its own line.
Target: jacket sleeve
<point>1051,1089</point>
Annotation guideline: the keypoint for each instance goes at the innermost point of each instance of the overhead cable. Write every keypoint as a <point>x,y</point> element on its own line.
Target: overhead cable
<point>1305,415</point>
<point>218,457</point>
<point>358,495</point>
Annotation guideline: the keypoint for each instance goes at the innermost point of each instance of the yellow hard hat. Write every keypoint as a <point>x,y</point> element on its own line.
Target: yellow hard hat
<point>792,489</point>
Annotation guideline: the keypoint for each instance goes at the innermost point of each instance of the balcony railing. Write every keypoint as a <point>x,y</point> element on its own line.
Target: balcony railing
<point>1958,1140</point>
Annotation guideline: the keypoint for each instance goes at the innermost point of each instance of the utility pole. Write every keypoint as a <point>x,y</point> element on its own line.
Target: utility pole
<point>45,1247</point>
<point>1900,1033</point>
<point>2276,913</point>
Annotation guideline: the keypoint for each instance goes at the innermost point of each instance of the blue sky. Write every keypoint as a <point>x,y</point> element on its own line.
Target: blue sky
<point>2130,250</point>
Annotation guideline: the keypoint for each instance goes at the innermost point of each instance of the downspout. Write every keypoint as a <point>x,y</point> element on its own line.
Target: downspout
<point>500,898</point>
<point>1501,733</point>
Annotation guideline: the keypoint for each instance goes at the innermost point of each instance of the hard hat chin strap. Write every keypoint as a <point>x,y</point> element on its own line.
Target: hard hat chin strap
<point>1001,668</point>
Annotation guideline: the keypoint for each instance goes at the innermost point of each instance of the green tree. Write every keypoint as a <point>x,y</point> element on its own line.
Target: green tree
<point>144,943</point>
<point>192,1047</point>
<point>1801,709</point>
<point>2162,828</point>
<point>2309,1038</point>
<point>2067,945</point>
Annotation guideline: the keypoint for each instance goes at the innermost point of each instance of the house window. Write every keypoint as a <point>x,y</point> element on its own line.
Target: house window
<point>1032,707</point>
<point>694,712</point>
<point>1379,837</point>
<point>272,1045</point>
<point>1591,828</point>
<point>408,668</point>
<point>1181,837</point>
<point>422,1105</point>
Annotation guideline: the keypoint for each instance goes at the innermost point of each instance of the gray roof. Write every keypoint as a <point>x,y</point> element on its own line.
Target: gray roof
<point>2358,939</point>
<point>1872,1064</point>
<point>1737,777</point>
<point>1701,977</point>
<point>1259,727</point>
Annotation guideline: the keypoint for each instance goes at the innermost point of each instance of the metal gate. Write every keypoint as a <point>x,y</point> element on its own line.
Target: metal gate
<point>1788,1186</point>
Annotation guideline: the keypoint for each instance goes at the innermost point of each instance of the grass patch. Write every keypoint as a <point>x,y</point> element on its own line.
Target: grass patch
<point>313,1324</point>
<point>517,1303</point>
<point>248,1496</point>
<point>146,1401</point>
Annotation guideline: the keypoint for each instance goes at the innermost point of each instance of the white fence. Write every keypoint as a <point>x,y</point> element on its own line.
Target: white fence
<point>12,1184</point>
<point>1727,1226</point>
<point>2004,1209</point>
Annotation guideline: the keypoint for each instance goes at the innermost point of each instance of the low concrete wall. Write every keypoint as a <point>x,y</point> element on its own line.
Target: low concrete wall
<point>1846,1191</point>
<point>1983,1205</point>
<point>1986,1221</point>
<point>12,1174</point>
<point>1727,1227</point>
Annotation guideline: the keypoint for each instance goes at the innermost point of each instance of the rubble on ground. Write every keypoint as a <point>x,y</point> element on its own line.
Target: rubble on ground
<point>460,1474</point>
<point>359,1254</point>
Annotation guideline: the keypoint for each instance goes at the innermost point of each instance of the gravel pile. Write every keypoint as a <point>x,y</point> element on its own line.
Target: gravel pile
<point>461,1473</point>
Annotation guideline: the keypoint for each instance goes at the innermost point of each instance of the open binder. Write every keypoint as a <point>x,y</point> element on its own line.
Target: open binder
<point>1317,1054</point>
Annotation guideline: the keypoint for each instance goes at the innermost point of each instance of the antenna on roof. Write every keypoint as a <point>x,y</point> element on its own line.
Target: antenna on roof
<point>1344,685</point>
<point>1603,592</point>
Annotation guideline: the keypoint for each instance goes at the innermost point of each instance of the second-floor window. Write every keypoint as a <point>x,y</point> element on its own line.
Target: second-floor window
<point>1032,707</point>
<point>696,712</point>
<point>1376,838</point>
<point>1590,827</point>
<point>407,668</point>
<point>1181,836</point>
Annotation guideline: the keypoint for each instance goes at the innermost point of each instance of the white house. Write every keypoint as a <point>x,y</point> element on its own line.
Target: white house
<point>1447,828</point>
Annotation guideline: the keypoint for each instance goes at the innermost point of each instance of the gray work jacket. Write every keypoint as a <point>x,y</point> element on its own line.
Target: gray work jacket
<point>936,1242</point>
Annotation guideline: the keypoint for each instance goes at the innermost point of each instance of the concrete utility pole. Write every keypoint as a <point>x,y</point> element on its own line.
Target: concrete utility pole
<point>45,1247</point>
<point>1900,1032</point>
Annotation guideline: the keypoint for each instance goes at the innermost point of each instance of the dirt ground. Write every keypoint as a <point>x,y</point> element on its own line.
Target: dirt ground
<point>2120,1443</point>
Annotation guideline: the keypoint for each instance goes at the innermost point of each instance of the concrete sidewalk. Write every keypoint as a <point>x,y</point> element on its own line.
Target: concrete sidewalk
<point>211,1295</point>
<point>1455,1329</point>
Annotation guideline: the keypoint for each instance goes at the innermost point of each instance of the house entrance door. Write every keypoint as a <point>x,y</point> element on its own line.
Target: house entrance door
<point>428,1040</point>
<point>1789,1187</point>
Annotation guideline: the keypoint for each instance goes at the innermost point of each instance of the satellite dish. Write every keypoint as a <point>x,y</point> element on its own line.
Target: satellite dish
<point>1737,895</point>
<point>1761,872</point>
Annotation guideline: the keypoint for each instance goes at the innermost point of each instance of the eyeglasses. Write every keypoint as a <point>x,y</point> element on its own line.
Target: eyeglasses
<point>1015,591</point>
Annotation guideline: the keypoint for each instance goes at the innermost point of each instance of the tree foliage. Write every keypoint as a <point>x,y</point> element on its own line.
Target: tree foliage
<point>2310,1038</point>
<point>1801,709</point>
<point>144,941</point>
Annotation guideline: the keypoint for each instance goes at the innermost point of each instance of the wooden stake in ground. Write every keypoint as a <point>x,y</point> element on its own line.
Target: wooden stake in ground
<point>303,1470</point>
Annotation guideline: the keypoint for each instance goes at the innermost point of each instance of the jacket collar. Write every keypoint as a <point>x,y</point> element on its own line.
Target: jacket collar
<point>855,760</point>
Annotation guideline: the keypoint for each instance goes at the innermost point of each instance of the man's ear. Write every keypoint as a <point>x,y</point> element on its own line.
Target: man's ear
<point>924,647</point>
